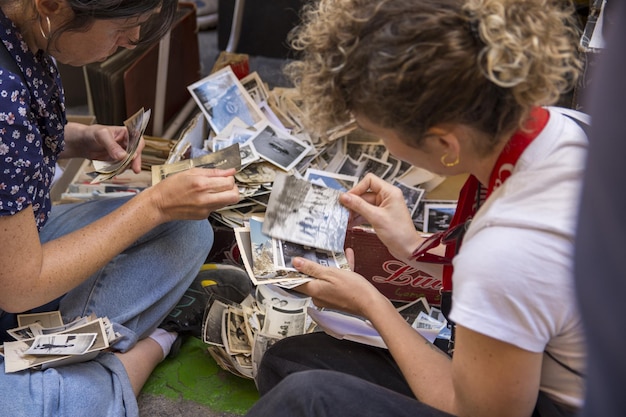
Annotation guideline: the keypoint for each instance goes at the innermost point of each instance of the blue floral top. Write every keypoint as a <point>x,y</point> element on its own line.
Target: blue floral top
<point>32,121</point>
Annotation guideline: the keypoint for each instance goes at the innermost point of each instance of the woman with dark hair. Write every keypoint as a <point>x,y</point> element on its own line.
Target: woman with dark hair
<point>455,87</point>
<point>128,259</point>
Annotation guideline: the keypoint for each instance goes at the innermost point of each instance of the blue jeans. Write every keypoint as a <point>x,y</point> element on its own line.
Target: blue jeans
<point>138,288</point>
<point>136,291</point>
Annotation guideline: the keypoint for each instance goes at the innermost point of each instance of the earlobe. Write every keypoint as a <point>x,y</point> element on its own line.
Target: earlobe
<point>48,7</point>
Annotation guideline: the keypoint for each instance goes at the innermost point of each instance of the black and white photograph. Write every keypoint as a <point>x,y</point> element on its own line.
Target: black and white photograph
<point>279,148</point>
<point>46,320</point>
<point>247,153</point>
<point>61,344</point>
<point>255,87</point>
<point>412,195</point>
<point>272,295</point>
<point>376,166</point>
<point>394,169</point>
<point>280,322</point>
<point>332,180</point>
<point>349,166</point>
<point>302,212</point>
<point>285,251</point>
<point>237,337</point>
<point>212,331</point>
<point>437,217</point>
<point>375,150</point>
<point>222,98</point>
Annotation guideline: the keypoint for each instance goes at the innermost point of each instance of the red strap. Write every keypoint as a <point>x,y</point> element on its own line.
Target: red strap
<point>470,197</point>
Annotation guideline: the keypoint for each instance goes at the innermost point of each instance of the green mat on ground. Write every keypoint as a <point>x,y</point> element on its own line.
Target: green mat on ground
<point>194,375</point>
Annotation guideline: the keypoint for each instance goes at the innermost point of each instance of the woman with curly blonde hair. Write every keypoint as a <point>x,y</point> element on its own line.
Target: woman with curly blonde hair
<point>455,87</point>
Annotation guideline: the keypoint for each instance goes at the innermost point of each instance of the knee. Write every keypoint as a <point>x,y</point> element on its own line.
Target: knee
<point>277,363</point>
<point>191,236</point>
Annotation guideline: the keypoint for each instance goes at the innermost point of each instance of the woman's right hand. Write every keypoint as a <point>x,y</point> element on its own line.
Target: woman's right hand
<point>195,193</point>
<point>382,205</point>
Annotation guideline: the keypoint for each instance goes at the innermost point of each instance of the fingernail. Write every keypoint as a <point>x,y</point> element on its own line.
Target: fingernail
<point>297,262</point>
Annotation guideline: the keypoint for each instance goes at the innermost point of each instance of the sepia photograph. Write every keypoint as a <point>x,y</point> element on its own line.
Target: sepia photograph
<point>302,212</point>
<point>226,158</point>
<point>238,341</point>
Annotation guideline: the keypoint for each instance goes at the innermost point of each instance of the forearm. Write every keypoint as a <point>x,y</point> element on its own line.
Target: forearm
<point>67,261</point>
<point>426,368</point>
<point>73,134</point>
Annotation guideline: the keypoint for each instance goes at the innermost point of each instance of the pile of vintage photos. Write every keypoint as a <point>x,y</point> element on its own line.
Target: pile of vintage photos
<point>289,181</point>
<point>238,335</point>
<point>267,126</point>
<point>42,341</point>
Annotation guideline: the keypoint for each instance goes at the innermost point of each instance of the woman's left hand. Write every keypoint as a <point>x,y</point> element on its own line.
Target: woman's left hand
<point>101,143</point>
<point>338,288</point>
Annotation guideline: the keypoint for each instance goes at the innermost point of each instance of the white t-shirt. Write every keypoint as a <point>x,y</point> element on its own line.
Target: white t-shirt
<point>513,276</point>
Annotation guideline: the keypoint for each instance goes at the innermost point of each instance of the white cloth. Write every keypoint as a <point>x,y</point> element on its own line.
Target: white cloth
<point>513,278</point>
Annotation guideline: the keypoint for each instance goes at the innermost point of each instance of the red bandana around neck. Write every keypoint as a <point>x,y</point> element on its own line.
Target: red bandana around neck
<point>472,194</point>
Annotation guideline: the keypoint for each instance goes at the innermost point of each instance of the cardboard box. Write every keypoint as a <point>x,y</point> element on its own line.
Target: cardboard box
<point>394,278</point>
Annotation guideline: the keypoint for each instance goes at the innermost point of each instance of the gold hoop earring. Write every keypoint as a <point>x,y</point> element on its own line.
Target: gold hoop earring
<point>46,37</point>
<point>449,164</point>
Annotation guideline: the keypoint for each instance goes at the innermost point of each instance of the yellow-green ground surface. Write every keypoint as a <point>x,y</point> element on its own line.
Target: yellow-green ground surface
<point>193,375</point>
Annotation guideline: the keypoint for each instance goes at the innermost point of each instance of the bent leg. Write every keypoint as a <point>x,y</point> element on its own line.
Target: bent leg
<point>321,351</point>
<point>322,393</point>
<point>139,287</point>
<point>97,388</point>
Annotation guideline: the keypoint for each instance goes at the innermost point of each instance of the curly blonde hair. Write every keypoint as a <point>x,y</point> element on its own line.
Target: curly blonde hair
<point>410,65</point>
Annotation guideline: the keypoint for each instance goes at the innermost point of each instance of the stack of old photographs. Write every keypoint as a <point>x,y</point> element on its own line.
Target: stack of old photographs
<point>302,219</point>
<point>239,334</point>
<point>267,124</point>
<point>424,319</point>
<point>136,125</point>
<point>42,341</point>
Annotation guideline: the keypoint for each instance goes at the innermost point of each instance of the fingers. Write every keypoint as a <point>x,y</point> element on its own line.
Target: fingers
<point>350,258</point>
<point>109,141</point>
<point>357,205</point>
<point>308,267</point>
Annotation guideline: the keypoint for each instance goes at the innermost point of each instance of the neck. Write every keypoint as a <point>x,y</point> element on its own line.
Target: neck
<point>484,166</point>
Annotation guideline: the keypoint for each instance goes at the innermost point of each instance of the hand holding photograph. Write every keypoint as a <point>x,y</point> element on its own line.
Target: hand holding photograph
<point>301,212</point>
<point>226,158</point>
<point>136,125</point>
